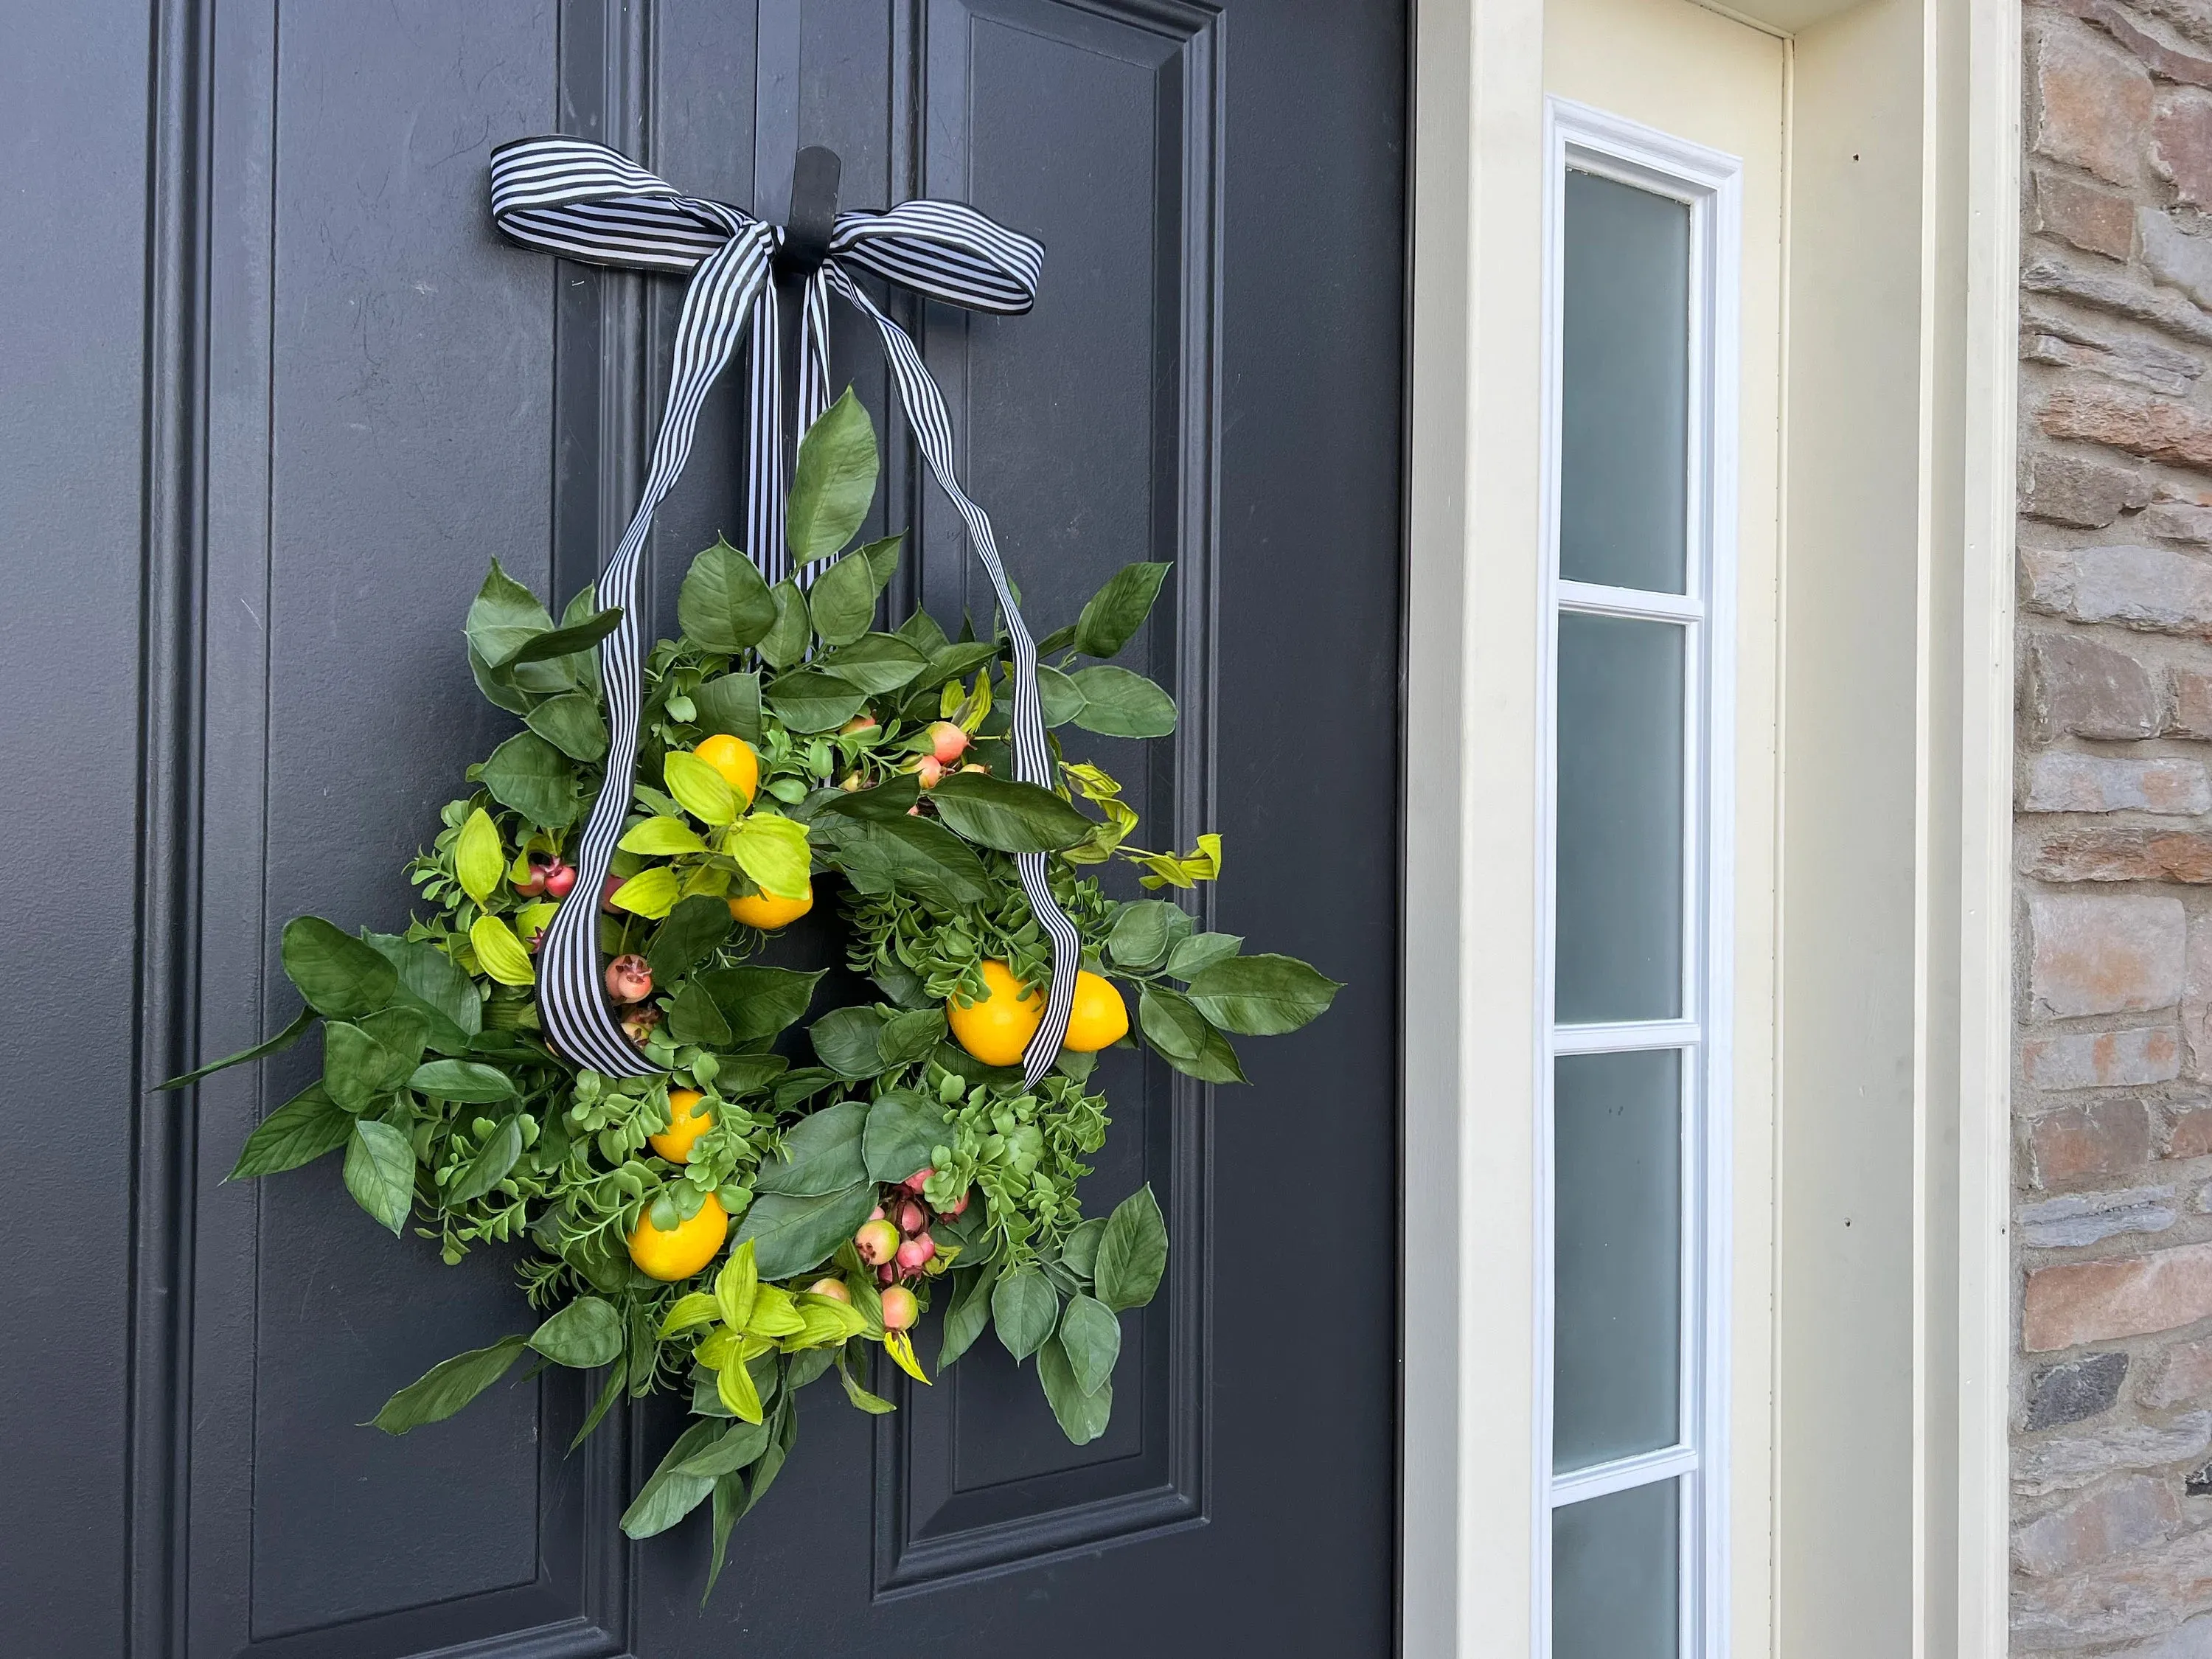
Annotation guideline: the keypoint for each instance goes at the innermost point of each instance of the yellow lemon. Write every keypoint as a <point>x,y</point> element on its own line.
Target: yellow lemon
<point>767,912</point>
<point>997,1028</point>
<point>734,759</point>
<point>685,1249</point>
<point>687,1119</point>
<point>1099,1016</point>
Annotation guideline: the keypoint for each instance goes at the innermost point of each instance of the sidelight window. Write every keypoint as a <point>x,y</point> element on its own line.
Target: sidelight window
<point>1643,245</point>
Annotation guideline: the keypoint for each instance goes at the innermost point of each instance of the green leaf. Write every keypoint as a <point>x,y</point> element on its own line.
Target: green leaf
<point>433,981</point>
<point>1024,1308</point>
<point>773,851</point>
<point>587,1333</point>
<point>1262,995</point>
<point>731,703</point>
<point>667,1496</point>
<point>650,893</point>
<point>1118,610</point>
<point>564,642</point>
<point>283,1039</point>
<point>609,1391</point>
<point>883,557</point>
<point>807,700</point>
<point>740,1444</point>
<point>299,1131</point>
<point>693,1017</point>
<point>737,1287</point>
<point>1201,950</point>
<point>1060,697</point>
<point>785,643</point>
<point>340,977</point>
<point>1117,703</point>
<point>842,602</point>
<point>910,855</point>
<point>357,1068</point>
<point>758,1001</point>
<point>663,838</point>
<point>874,663</point>
<point>490,1166</point>
<point>690,934</point>
<point>965,1319</point>
<point>1144,930</point>
<point>874,1404</point>
<point>955,661</point>
<point>772,1460</point>
<point>699,789</point>
<point>821,1153</point>
<point>723,604</point>
<point>503,617</point>
<point>845,1041</point>
<point>1090,1336</point>
<point>921,630</point>
<point>499,953</point>
<point>834,481</point>
<point>902,1134</point>
<point>791,1234</point>
<point>572,723</point>
<point>379,1172</point>
<point>464,1082</point>
<point>479,857</point>
<point>1011,816</point>
<point>448,1385</point>
<point>1083,1417</point>
<point>1185,1038</point>
<point>1133,1252</point>
<point>911,1037</point>
<point>498,687</point>
<point>530,775</point>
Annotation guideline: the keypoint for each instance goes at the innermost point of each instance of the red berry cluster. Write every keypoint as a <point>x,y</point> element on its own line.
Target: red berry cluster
<point>895,1241</point>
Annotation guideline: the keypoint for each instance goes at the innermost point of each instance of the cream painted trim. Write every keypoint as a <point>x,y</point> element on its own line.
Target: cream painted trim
<point>1471,679</point>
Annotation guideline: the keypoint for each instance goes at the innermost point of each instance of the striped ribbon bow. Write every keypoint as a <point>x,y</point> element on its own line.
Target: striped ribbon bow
<point>583,201</point>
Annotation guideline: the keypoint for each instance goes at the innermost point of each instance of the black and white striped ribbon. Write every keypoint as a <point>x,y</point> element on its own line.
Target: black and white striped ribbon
<point>583,201</point>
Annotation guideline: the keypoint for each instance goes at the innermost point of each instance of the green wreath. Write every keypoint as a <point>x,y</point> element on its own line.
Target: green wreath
<point>735,1224</point>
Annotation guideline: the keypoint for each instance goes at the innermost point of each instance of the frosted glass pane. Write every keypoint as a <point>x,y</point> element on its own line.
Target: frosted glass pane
<point>1615,1575</point>
<point>1619,953</point>
<point>1617,1251</point>
<point>1624,383</point>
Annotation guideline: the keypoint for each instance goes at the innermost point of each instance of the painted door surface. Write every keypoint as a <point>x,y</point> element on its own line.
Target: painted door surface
<point>272,395</point>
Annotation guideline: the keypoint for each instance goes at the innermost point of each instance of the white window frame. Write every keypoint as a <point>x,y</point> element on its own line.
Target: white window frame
<point>1581,138</point>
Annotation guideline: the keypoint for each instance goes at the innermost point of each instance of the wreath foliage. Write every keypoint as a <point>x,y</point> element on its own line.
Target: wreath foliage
<point>781,1194</point>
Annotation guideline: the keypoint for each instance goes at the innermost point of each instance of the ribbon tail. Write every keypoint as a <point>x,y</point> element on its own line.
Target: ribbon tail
<point>572,1001</point>
<point>764,476</point>
<point>932,431</point>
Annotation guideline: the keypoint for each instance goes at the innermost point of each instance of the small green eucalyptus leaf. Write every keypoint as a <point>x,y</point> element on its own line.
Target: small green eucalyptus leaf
<point>448,1385</point>
<point>723,604</point>
<point>1118,610</point>
<point>1117,703</point>
<point>338,975</point>
<point>587,1332</point>
<point>379,1172</point>
<point>572,723</point>
<point>834,481</point>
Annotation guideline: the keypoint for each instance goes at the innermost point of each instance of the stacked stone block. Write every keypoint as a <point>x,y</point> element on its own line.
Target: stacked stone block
<point>2111,1547</point>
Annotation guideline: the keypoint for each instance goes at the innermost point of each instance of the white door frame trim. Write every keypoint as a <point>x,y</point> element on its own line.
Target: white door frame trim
<point>1476,191</point>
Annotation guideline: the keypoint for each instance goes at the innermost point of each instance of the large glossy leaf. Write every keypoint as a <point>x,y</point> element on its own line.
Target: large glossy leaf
<point>1014,817</point>
<point>1185,1037</point>
<point>667,1496</point>
<point>693,1017</point>
<point>1090,1336</point>
<point>337,974</point>
<point>299,1131</point>
<point>448,1385</point>
<point>808,700</point>
<point>493,1162</point>
<point>759,1001</point>
<point>1118,610</point>
<point>731,703</point>
<point>791,1234</point>
<point>357,1068</point>
<point>904,1131</point>
<point>787,640</point>
<point>842,601</point>
<point>970,1313</point>
<point>1117,703</point>
<point>379,1172</point>
<point>723,604</point>
<point>1133,1252</point>
<point>1144,930</point>
<point>821,1154</point>
<point>269,1045</point>
<point>1061,698</point>
<point>466,1082</point>
<point>503,617</point>
<point>1083,1417</point>
<point>845,1041</point>
<point>833,482</point>
<point>572,723</point>
<point>1024,1308</point>
<point>587,1332</point>
<point>912,855</point>
<point>431,980</point>
<point>530,775</point>
<point>565,640</point>
<point>907,1038</point>
<point>874,663</point>
<point>688,937</point>
<point>650,893</point>
<point>773,851</point>
<point>1262,995</point>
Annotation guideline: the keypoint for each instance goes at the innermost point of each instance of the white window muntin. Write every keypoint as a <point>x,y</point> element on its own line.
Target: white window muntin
<point>1708,183</point>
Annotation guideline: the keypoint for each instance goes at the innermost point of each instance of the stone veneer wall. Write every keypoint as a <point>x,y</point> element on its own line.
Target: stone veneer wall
<point>2112,1446</point>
